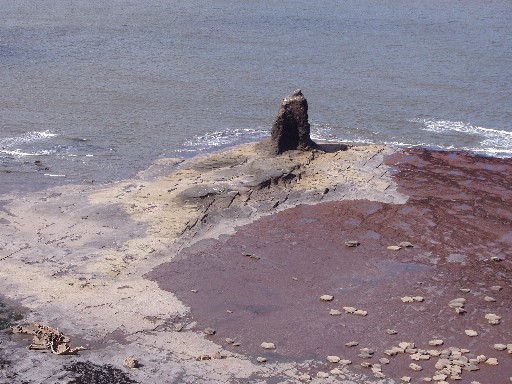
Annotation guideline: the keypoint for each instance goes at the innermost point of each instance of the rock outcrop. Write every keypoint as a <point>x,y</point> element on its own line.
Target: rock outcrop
<point>291,129</point>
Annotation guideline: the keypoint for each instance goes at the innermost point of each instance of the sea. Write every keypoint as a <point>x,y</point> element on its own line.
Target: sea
<point>94,91</point>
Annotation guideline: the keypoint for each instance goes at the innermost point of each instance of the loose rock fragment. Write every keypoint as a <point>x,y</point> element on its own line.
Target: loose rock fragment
<point>360,312</point>
<point>407,299</point>
<point>489,299</point>
<point>471,332</point>
<point>130,362</point>
<point>391,332</point>
<point>322,375</point>
<point>266,345</point>
<point>178,327</point>
<point>305,377</point>
<point>406,345</point>
<point>261,359</point>
<point>352,243</point>
<point>492,318</point>
<point>405,379</point>
<point>465,290</point>
<point>457,303</point>
<point>229,340</point>
<point>405,244</point>
<point>495,288</point>
<point>435,342</point>
<point>335,371</point>
<point>345,362</point>
<point>349,309</point>
<point>352,344</point>
<point>334,312</point>
<point>439,377</point>
<point>394,248</point>
<point>500,347</point>
<point>491,361</point>
<point>415,367</point>
<point>333,359</point>
<point>383,360</point>
<point>418,298</point>
<point>209,331</point>
<point>496,258</point>
<point>326,297</point>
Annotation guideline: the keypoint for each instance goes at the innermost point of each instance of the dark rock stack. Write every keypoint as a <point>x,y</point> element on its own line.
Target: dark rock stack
<point>291,129</point>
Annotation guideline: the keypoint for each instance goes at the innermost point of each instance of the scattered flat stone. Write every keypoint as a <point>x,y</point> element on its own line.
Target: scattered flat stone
<point>495,288</point>
<point>193,290</point>
<point>322,375</point>
<point>500,347</point>
<point>229,340</point>
<point>209,331</point>
<point>493,319</point>
<point>333,359</point>
<point>236,344</point>
<point>407,299</point>
<point>305,377</point>
<point>261,359</point>
<point>326,297</point>
<point>394,247</point>
<point>334,312</point>
<point>383,360</point>
<point>491,361</point>
<point>349,309</point>
<point>336,371</point>
<point>418,299</point>
<point>406,345</point>
<point>345,362</point>
<point>457,303</point>
<point>360,312</point>
<point>465,290</point>
<point>391,332</point>
<point>352,344</point>
<point>433,352</point>
<point>496,258</point>
<point>352,243</point>
<point>365,364</point>
<point>393,351</point>
<point>131,362</point>
<point>379,375</point>
<point>481,358</point>
<point>415,367</point>
<point>405,379</point>
<point>266,345</point>
<point>439,377</point>
<point>489,299</point>
<point>406,244</point>
<point>435,342</point>
<point>471,332</point>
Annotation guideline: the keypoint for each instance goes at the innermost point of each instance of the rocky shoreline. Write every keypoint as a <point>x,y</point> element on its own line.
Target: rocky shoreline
<point>194,264</point>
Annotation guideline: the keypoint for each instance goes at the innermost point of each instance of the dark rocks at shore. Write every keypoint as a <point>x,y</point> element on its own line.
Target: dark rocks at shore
<point>291,129</point>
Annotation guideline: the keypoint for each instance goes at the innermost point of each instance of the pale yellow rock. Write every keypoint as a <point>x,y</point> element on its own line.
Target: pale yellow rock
<point>415,367</point>
<point>500,347</point>
<point>266,345</point>
<point>481,358</point>
<point>383,360</point>
<point>394,248</point>
<point>333,359</point>
<point>405,379</point>
<point>406,345</point>
<point>334,312</point>
<point>345,362</point>
<point>360,312</point>
<point>326,297</point>
<point>495,288</point>
<point>407,299</point>
<point>493,319</point>
<point>491,361</point>
<point>439,377</point>
<point>322,375</point>
<point>335,371</point>
<point>489,299</point>
<point>349,309</point>
<point>435,342</point>
<point>419,299</point>
<point>471,332</point>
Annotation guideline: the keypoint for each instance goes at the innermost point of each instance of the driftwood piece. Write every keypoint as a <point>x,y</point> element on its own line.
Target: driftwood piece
<point>47,339</point>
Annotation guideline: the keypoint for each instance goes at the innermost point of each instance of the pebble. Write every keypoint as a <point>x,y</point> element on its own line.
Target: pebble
<point>178,327</point>
<point>406,345</point>
<point>360,312</point>
<point>236,344</point>
<point>415,367</point>
<point>326,297</point>
<point>266,345</point>
<point>471,332</point>
<point>465,290</point>
<point>379,375</point>
<point>336,371</point>
<point>193,290</point>
<point>352,243</point>
<point>334,312</point>
<point>496,258</point>
<point>209,331</point>
<point>457,303</point>
<point>345,362</point>
<point>261,359</point>
<point>130,362</point>
<point>407,299</point>
<point>365,364</point>
<point>349,309</point>
<point>391,332</point>
<point>304,377</point>
<point>229,340</point>
<point>496,288</point>
<point>491,361</point>
<point>435,342</point>
<point>500,347</point>
<point>322,375</point>
<point>383,360</point>
<point>405,379</point>
<point>406,244</point>
<point>439,377</point>
<point>394,248</point>
<point>433,352</point>
<point>492,318</point>
<point>352,344</point>
<point>489,299</point>
<point>333,359</point>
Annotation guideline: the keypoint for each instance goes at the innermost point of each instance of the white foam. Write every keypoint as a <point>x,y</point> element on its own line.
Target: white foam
<point>13,145</point>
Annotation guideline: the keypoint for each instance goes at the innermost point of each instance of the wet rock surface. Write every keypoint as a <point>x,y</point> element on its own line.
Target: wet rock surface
<point>457,217</point>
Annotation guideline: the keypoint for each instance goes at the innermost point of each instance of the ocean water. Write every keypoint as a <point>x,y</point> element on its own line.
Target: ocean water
<point>94,91</point>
